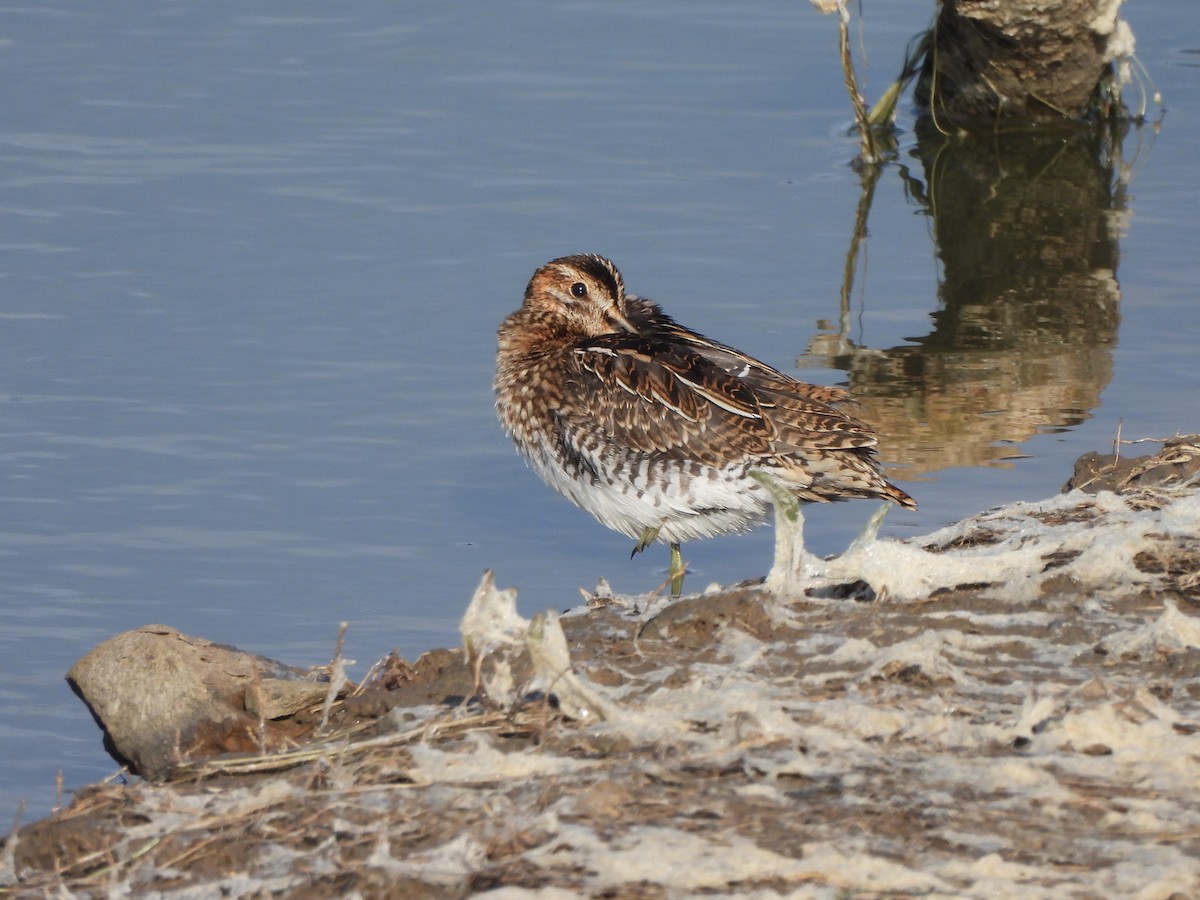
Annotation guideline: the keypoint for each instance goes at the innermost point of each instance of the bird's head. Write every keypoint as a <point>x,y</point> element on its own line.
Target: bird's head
<point>584,293</point>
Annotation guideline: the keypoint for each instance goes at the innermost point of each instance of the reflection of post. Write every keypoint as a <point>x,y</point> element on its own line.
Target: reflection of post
<point>1026,226</point>
<point>836,345</point>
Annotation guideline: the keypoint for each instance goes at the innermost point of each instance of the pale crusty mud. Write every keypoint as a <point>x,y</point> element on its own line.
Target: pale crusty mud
<point>1009,707</point>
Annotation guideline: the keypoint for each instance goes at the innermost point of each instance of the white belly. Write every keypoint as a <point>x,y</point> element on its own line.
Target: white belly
<point>685,502</point>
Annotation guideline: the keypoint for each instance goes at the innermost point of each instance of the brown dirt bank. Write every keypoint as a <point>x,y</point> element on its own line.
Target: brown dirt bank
<point>1021,720</point>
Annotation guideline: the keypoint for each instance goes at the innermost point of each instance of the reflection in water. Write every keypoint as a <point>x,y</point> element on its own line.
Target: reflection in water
<point>1026,226</point>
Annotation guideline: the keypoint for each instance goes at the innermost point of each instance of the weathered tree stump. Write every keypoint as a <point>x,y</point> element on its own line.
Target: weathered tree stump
<point>1005,61</point>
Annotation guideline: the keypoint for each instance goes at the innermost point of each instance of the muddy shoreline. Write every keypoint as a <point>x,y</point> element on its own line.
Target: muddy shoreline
<point>1030,730</point>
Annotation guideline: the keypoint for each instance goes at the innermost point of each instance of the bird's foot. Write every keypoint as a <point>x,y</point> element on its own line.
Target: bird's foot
<point>649,533</point>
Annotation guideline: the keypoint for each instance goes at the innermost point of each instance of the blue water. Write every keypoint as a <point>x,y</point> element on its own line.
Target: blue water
<point>252,262</point>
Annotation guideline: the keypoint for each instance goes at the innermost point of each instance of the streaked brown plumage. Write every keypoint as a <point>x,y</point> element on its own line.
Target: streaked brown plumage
<point>653,428</point>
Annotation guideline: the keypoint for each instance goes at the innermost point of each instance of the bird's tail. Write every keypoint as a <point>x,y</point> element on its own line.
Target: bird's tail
<point>893,493</point>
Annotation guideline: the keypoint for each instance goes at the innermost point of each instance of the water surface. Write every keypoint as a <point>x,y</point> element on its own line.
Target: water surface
<point>252,264</point>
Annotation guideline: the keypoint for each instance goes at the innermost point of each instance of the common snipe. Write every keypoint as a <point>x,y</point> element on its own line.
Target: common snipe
<point>654,429</point>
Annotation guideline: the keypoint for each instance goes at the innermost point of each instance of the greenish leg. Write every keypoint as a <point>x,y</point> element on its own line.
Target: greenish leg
<point>792,563</point>
<point>676,570</point>
<point>648,535</point>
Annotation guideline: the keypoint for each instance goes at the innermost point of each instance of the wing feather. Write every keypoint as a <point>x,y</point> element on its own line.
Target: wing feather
<point>681,399</point>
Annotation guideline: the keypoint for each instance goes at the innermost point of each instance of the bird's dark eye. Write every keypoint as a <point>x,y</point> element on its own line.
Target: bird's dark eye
<point>579,289</point>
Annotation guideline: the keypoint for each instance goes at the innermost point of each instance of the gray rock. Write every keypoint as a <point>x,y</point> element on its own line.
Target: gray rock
<point>164,698</point>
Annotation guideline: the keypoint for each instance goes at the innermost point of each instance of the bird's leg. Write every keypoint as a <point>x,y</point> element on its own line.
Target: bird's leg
<point>649,533</point>
<point>870,532</point>
<point>677,570</point>
<point>791,559</point>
